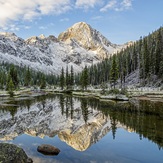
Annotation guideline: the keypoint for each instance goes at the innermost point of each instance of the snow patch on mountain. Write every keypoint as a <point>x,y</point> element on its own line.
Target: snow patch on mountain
<point>46,54</point>
<point>80,45</point>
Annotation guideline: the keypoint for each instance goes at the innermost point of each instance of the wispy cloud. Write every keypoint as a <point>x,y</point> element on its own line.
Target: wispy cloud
<point>14,28</point>
<point>117,5</point>
<point>87,3</point>
<point>15,10</point>
<point>96,17</point>
<point>27,27</point>
<point>64,20</point>
<point>127,4</point>
<point>11,27</point>
<point>42,27</point>
<point>111,4</point>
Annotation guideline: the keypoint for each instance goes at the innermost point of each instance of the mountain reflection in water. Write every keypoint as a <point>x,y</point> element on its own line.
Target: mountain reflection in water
<point>80,122</point>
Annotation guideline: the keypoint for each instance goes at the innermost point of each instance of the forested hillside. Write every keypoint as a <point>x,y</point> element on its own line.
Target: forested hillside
<point>144,58</point>
<point>13,77</point>
<point>141,61</point>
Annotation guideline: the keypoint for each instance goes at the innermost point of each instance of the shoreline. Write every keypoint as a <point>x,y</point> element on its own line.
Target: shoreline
<point>94,93</point>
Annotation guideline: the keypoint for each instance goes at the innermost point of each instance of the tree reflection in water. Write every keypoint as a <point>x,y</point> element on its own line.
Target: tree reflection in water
<point>143,117</point>
<point>140,116</point>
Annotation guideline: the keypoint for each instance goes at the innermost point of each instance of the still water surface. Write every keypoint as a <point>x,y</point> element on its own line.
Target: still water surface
<point>85,130</point>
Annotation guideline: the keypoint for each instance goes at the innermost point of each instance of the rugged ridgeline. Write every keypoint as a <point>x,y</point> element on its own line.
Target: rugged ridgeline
<point>83,35</point>
<point>80,45</point>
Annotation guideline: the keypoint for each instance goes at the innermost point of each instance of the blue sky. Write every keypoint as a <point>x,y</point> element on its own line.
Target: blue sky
<point>118,20</point>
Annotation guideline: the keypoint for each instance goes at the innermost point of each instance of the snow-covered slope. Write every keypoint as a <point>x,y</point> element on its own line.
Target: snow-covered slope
<point>43,54</point>
<point>80,45</point>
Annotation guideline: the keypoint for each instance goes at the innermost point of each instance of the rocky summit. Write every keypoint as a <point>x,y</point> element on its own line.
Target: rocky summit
<point>78,46</point>
<point>83,35</point>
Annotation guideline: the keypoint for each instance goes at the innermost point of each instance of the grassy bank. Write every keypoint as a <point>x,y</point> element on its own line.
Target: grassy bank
<point>116,94</point>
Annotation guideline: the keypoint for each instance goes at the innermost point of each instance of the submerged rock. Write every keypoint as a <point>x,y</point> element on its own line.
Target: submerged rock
<point>12,153</point>
<point>48,149</point>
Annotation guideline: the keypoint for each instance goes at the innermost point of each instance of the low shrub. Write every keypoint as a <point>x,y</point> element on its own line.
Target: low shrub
<point>114,91</point>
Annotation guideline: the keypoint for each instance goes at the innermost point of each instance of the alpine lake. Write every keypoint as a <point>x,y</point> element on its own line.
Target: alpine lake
<point>85,130</point>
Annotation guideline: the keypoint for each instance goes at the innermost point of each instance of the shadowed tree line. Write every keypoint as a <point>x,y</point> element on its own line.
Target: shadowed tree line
<point>13,77</point>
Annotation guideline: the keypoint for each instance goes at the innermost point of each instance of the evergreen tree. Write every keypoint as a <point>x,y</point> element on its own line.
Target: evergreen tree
<point>135,58</point>
<point>86,77</point>
<point>146,58</point>
<point>152,56</point>
<point>62,79</point>
<point>43,82</point>
<point>77,78</point>
<point>3,79</point>
<point>72,77</point>
<point>67,78</point>
<point>120,62</point>
<point>8,81</point>
<point>114,71</point>
<point>158,51</point>
<point>27,79</point>
<point>84,80</point>
<point>14,76</point>
<point>11,88</point>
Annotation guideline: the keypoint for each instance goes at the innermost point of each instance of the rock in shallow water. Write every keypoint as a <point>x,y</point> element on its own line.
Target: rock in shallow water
<point>10,153</point>
<point>48,149</point>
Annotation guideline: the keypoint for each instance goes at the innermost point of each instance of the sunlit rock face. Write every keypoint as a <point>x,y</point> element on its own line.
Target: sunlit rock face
<point>82,34</point>
<point>87,134</point>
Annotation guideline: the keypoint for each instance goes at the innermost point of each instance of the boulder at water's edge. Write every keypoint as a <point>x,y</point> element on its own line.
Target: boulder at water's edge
<point>12,153</point>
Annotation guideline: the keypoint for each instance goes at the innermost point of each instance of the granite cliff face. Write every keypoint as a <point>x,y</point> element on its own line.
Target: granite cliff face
<point>80,45</point>
<point>83,35</point>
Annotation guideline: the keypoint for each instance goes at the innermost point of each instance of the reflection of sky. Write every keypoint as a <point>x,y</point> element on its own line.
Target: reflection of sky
<point>125,148</point>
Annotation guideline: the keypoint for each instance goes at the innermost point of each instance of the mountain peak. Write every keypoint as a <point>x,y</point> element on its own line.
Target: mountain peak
<point>42,36</point>
<point>32,39</point>
<point>82,34</point>
<point>84,23</point>
<point>80,24</point>
<point>79,45</point>
<point>8,34</point>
